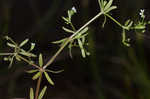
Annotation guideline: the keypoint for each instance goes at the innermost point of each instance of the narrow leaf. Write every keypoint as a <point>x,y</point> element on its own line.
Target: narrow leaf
<point>65,19</point>
<point>17,58</point>
<point>108,5</point>
<point>40,60</point>
<point>11,62</point>
<point>139,27</point>
<point>84,30</point>
<point>105,2</point>
<point>101,4</point>
<point>31,93</point>
<point>127,22</point>
<point>36,75</point>
<point>83,53</point>
<point>55,72</point>
<point>32,71</point>
<point>23,42</point>
<point>59,41</point>
<point>111,8</point>
<point>81,48</point>
<point>42,92</point>
<point>67,30</point>
<point>27,54</point>
<point>83,39</point>
<point>48,78</point>
<point>81,33</point>
<point>84,35</point>
<point>130,24</point>
<point>11,45</point>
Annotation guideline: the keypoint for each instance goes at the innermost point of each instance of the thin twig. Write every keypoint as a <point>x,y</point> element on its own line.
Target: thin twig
<point>27,61</point>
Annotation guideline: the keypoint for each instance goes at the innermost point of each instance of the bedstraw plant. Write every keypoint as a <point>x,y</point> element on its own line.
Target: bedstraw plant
<point>77,38</point>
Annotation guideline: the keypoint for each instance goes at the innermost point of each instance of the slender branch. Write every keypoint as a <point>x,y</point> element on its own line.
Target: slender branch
<point>115,21</point>
<point>70,38</point>
<point>38,86</point>
<point>85,25</point>
<point>27,61</point>
<point>57,53</point>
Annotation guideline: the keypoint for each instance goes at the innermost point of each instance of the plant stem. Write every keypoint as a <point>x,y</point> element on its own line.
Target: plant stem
<point>27,61</point>
<point>56,54</point>
<point>115,21</point>
<point>69,39</point>
<point>38,86</point>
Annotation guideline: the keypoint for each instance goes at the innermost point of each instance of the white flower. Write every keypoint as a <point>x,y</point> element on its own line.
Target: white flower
<point>74,9</point>
<point>142,13</point>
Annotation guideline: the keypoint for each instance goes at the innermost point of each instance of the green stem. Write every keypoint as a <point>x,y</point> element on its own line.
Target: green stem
<point>70,38</point>
<point>27,61</point>
<point>38,86</point>
<point>56,54</point>
<point>115,21</point>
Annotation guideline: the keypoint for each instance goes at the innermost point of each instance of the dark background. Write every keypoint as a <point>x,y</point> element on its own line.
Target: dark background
<point>113,71</point>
